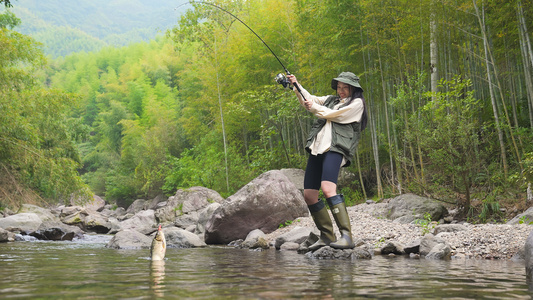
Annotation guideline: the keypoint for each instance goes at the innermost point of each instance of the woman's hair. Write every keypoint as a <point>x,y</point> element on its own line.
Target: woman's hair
<point>358,93</point>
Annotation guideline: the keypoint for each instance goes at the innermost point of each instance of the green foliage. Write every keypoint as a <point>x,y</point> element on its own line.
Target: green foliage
<point>525,220</point>
<point>425,224</point>
<point>37,146</point>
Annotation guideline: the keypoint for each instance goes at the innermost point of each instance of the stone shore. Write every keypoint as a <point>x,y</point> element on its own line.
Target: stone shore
<point>481,241</point>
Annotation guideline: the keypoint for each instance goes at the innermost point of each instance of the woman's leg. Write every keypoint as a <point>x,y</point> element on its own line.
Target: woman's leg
<point>317,207</point>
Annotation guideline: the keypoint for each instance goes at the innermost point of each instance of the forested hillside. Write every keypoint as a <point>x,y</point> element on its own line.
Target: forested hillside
<point>80,25</point>
<point>448,86</point>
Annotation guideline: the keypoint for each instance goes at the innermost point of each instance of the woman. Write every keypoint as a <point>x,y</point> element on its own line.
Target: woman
<point>331,145</point>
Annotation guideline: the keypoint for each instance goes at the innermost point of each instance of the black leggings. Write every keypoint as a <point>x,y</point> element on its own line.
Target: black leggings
<point>322,167</point>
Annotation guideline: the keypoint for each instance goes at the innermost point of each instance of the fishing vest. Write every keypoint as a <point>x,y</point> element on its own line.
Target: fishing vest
<point>344,137</point>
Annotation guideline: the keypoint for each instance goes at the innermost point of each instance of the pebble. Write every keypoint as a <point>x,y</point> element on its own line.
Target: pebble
<point>479,241</point>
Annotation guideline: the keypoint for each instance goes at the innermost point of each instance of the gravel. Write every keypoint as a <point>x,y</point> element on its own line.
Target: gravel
<point>480,241</point>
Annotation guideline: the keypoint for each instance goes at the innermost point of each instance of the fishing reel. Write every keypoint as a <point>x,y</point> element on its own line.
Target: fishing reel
<point>281,79</point>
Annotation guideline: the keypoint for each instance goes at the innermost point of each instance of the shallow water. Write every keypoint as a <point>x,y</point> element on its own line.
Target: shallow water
<point>85,269</point>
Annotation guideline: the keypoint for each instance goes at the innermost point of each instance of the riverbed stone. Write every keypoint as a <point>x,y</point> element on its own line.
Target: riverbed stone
<point>449,228</point>
<point>96,203</point>
<point>136,206</point>
<point>392,247</point>
<point>4,235</point>
<point>406,208</point>
<point>330,253</point>
<point>266,202</point>
<point>434,247</point>
<point>204,216</point>
<point>297,235</point>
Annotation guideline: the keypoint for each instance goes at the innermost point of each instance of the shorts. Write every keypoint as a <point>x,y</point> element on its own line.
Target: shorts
<point>322,167</point>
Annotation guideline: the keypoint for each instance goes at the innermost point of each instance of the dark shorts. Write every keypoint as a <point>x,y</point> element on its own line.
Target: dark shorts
<point>322,167</point>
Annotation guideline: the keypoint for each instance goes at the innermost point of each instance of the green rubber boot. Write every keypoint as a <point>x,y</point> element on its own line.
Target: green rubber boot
<point>320,215</point>
<point>340,214</point>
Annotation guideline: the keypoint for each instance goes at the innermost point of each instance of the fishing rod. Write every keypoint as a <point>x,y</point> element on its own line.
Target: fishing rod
<point>280,78</point>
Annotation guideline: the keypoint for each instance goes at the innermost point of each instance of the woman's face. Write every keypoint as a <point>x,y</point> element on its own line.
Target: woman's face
<point>344,90</point>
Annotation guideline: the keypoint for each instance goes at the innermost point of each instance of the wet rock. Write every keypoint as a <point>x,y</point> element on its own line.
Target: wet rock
<point>297,235</point>
<point>434,247</point>
<point>289,246</point>
<point>330,253</point>
<point>392,248</point>
<point>4,235</point>
<point>269,200</point>
<point>413,247</point>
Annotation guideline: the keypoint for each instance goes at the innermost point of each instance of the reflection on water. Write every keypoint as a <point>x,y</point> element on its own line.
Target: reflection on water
<point>157,274</point>
<point>86,269</point>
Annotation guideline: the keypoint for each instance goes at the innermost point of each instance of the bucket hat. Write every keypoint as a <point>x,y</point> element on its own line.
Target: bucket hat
<point>348,78</point>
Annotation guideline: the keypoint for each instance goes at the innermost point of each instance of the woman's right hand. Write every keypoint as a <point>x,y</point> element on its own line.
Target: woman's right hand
<point>292,79</point>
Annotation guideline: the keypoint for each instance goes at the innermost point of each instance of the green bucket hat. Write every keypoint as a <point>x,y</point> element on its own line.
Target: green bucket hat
<point>348,78</point>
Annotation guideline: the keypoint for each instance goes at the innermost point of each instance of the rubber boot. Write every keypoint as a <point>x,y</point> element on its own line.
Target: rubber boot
<point>320,215</point>
<point>340,214</point>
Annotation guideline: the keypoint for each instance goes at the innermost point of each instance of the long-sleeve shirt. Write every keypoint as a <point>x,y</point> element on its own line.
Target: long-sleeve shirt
<point>344,115</point>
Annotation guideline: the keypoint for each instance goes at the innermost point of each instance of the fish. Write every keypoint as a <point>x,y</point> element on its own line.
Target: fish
<point>159,245</point>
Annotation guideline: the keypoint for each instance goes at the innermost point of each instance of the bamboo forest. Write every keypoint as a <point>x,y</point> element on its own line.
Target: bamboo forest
<point>448,85</point>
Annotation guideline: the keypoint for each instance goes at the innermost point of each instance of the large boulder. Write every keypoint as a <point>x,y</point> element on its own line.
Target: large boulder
<point>96,203</point>
<point>203,218</point>
<point>144,222</point>
<point>408,207</point>
<point>23,222</point>
<point>4,235</point>
<point>264,203</point>
<point>181,238</point>
<point>184,207</point>
<point>129,239</point>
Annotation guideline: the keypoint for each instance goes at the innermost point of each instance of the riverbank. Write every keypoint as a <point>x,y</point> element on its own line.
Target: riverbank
<point>480,241</point>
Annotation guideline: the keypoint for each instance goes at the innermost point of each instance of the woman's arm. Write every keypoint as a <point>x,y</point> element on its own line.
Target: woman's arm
<point>347,114</point>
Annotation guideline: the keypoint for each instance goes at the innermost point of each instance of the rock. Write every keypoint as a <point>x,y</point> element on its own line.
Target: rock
<point>155,203</point>
<point>296,235</point>
<point>4,235</point>
<point>434,247</point>
<point>44,214</point>
<point>413,247</point>
<point>143,222</point>
<point>269,200</point>
<point>185,204</point>
<point>96,222</point>
<point>186,220</point>
<point>329,253</point>
<point>137,206</point>
<point>439,251</point>
<point>129,239</point>
<point>528,255</point>
<point>23,222</point>
<point>60,233</point>
<point>289,246</point>
<point>523,218</point>
<point>94,204</point>
<point>409,207</point>
<point>203,217</point>
<point>392,248</point>
<point>449,228</point>
<point>181,238</point>
<point>296,176</point>
<point>254,240</point>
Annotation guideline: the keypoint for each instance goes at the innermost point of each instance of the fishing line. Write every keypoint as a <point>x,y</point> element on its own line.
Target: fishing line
<point>280,78</point>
